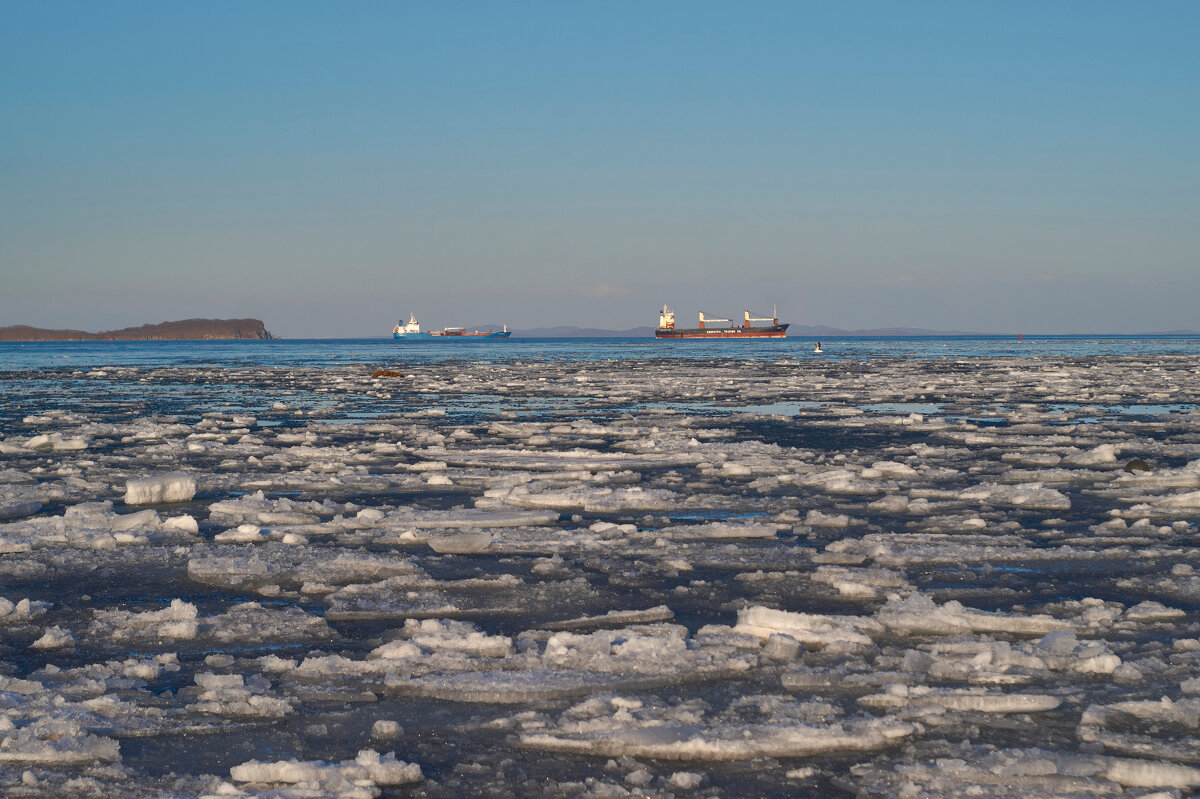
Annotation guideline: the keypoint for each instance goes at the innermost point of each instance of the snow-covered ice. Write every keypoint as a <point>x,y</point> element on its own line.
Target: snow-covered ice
<point>654,576</point>
<point>171,487</point>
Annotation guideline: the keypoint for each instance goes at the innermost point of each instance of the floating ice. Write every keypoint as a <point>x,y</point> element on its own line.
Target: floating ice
<point>234,695</point>
<point>620,727</point>
<point>56,442</point>
<point>919,615</point>
<point>17,510</point>
<point>55,741</point>
<point>808,628</point>
<point>171,487</point>
<point>337,779</point>
<point>570,664</point>
<point>55,638</point>
<point>518,532</point>
<point>969,700</point>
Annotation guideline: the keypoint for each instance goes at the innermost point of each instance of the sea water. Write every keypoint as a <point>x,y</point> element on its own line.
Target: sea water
<point>286,352</point>
<point>600,567</point>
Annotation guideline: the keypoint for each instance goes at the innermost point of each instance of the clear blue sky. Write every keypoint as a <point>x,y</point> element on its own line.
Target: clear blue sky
<point>330,167</point>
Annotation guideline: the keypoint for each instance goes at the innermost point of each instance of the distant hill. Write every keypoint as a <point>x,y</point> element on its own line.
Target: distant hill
<point>187,329</point>
<point>824,330</point>
<point>568,331</point>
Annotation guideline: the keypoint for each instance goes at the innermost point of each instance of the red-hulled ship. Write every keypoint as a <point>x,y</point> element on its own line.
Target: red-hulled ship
<point>667,329</point>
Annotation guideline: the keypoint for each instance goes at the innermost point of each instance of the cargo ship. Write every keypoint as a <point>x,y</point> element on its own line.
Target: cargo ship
<point>667,329</point>
<point>412,330</point>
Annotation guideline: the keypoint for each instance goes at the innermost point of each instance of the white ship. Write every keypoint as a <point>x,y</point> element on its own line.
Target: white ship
<point>410,330</point>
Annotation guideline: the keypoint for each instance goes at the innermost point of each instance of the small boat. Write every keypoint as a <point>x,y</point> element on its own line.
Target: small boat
<point>817,349</point>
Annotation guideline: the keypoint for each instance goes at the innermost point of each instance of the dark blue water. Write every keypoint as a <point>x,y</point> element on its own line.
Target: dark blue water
<point>316,352</point>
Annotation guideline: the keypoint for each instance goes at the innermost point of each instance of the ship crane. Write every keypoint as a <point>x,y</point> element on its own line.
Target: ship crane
<point>774,319</point>
<point>704,319</point>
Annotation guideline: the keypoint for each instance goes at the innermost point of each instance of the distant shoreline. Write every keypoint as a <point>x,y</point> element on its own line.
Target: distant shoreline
<point>185,330</point>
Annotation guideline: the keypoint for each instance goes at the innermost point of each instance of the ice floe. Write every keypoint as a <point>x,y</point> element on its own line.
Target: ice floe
<point>883,576</point>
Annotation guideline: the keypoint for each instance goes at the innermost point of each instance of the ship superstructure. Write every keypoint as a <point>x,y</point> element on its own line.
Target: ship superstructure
<point>713,328</point>
<point>410,330</point>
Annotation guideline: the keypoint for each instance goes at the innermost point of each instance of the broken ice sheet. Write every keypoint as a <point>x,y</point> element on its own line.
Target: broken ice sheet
<point>932,547</point>
<point>619,726</point>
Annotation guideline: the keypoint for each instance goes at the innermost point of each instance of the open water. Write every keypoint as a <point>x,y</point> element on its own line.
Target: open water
<point>315,352</point>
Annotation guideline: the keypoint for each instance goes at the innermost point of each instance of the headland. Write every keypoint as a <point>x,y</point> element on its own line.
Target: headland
<point>187,329</point>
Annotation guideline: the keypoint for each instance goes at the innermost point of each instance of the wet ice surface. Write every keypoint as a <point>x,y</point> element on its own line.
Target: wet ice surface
<point>639,576</point>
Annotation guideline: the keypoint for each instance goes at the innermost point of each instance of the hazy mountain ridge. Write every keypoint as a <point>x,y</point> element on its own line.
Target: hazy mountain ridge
<point>570,331</point>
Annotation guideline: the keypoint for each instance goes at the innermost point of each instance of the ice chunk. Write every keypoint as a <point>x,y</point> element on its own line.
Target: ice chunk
<point>456,636</point>
<point>386,728</point>
<point>713,530</point>
<point>18,510</point>
<point>614,727</point>
<point>233,695</point>
<point>460,543</point>
<point>1150,774</point>
<point>243,533</point>
<point>469,518</point>
<point>56,442</point>
<point>1105,453</point>
<point>184,524</point>
<point>614,618</point>
<point>1029,495</point>
<point>55,638</point>
<point>170,487</point>
<point>1190,500</point>
<point>369,768</point>
<point>970,700</point>
<point>894,469</point>
<point>809,629</point>
<point>920,615</point>
<point>1152,612</point>
<point>56,741</point>
<point>178,620</point>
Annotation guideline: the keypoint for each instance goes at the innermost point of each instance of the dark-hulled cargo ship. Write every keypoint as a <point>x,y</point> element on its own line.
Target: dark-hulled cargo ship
<point>667,329</point>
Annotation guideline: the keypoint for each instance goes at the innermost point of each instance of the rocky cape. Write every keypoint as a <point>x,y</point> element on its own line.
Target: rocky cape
<point>187,329</point>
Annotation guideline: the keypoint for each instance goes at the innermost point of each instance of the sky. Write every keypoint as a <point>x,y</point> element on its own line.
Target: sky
<point>330,168</point>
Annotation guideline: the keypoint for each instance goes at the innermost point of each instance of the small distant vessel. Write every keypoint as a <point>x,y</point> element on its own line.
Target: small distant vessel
<point>667,329</point>
<point>412,330</point>
<point>817,349</point>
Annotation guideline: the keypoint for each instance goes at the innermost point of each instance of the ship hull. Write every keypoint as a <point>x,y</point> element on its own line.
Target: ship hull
<point>724,333</point>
